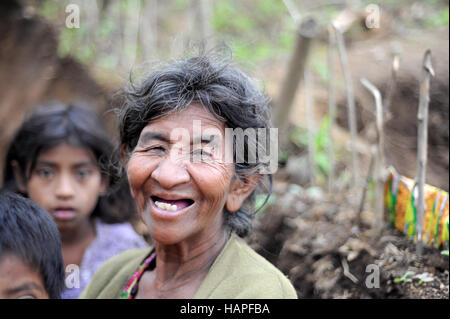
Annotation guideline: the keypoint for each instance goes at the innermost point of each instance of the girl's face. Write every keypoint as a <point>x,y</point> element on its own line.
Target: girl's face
<point>67,182</point>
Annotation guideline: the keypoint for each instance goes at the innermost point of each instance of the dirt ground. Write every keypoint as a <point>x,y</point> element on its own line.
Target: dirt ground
<point>311,236</point>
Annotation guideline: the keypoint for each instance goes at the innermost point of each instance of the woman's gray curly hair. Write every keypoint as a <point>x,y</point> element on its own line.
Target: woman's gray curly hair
<point>229,94</point>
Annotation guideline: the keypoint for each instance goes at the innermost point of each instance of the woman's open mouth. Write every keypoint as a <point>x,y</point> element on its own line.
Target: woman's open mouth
<point>172,205</point>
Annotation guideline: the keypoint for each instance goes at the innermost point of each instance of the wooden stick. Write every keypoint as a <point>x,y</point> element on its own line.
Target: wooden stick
<point>392,84</point>
<point>422,142</point>
<point>347,272</point>
<point>331,106</point>
<point>373,150</point>
<point>350,105</point>
<point>295,71</point>
<point>379,158</point>
<point>309,101</point>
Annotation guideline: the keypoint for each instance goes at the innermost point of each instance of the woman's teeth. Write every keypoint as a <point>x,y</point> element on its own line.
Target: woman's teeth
<point>166,206</point>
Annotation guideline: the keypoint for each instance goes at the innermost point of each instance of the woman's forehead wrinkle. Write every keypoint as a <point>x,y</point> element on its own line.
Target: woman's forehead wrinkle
<point>211,129</point>
<point>148,136</point>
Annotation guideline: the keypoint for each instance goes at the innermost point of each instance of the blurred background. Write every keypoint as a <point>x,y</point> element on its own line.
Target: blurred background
<point>85,50</point>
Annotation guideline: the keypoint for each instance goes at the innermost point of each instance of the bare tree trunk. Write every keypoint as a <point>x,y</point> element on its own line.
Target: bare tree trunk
<point>422,143</point>
<point>309,101</point>
<point>130,34</point>
<point>331,106</point>
<point>201,20</point>
<point>295,70</point>
<point>379,158</point>
<point>350,105</point>
<point>92,14</point>
<point>148,29</point>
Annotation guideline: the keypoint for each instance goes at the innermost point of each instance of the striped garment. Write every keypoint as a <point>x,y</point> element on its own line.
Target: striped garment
<point>401,210</point>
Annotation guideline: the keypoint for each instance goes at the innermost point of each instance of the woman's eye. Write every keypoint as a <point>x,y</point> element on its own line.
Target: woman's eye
<point>201,154</point>
<point>156,149</point>
<point>45,173</point>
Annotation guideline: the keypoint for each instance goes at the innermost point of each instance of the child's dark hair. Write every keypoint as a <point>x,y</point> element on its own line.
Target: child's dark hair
<point>28,232</point>
<point>78,125</point>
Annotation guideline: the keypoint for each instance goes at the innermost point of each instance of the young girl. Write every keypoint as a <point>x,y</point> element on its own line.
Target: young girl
<point>60,157</point>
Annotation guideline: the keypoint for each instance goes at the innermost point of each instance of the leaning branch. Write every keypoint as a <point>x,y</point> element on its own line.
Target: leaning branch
<point>379,158</point>
<point>331,106</point>
<point>350,104</point>
<point>422,139</point>
<point>295,71</point>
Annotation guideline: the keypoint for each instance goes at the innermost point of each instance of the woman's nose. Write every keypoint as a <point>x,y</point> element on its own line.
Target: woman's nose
<point>64,186</point>
<point>170,173</point>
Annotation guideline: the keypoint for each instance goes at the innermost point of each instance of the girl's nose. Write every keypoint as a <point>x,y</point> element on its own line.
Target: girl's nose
<point>170,173</point>
<point>64,187</point>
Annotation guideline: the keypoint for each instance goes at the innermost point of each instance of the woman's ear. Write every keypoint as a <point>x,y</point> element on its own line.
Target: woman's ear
<point>240,190</point>
<point>123,154</point>
<point>18,176</point>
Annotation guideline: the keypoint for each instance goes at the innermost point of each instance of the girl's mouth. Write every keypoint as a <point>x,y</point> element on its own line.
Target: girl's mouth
<point>64,214</point>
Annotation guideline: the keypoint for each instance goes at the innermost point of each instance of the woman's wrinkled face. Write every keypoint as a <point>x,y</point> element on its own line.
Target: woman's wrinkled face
<point>179,178</point>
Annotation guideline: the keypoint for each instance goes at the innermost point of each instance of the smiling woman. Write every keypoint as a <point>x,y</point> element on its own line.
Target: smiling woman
<point>195,202</point>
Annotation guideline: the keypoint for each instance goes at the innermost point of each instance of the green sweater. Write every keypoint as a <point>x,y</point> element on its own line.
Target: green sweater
<point>238,272</point>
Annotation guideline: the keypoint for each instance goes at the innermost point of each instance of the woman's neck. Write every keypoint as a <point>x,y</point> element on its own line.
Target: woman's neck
<point>185,264</point>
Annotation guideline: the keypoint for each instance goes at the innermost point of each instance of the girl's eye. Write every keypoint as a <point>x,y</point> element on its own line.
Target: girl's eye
<point>83,173</point>
<point>45,173</point>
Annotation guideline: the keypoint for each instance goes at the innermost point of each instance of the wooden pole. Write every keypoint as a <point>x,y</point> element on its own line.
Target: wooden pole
<point>422,143</point>
<point>295,70</point>
<point>309,101</point>
<point>392,84</point>
<point>370,174</point>
<point>379,158</point>
<point>331,106</point>
<point>350,105</point>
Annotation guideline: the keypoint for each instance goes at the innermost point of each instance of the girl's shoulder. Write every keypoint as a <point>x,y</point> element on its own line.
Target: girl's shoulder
<point>118,235</point>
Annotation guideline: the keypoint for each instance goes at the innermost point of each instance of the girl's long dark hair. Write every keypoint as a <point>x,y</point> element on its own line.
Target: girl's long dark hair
<point>78,125</point>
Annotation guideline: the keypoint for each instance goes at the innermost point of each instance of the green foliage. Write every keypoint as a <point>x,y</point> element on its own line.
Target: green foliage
<point>48,9</point>
<point>439,19</point>
<point>255,33</point>
<point>299,137</point>
<point>259,202</point>
<point>404,278</point>
<point>270,8</point>
<point>283,156</point>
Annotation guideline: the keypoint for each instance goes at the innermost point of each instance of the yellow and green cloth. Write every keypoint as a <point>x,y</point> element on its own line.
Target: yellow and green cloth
<point>401,210</point>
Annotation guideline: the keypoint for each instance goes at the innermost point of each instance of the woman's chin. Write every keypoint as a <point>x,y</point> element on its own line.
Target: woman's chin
<point>166,236</point>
